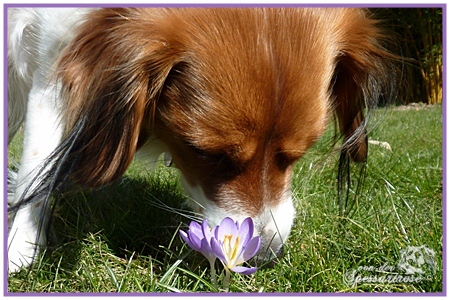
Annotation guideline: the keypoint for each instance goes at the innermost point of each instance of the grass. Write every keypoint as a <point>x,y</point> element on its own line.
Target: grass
<point>121,238</point>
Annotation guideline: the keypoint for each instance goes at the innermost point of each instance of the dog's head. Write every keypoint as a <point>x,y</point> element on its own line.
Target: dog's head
<point>236,95</point>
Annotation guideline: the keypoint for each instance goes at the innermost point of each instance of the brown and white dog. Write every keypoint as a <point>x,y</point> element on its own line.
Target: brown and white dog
<point>235,95</point>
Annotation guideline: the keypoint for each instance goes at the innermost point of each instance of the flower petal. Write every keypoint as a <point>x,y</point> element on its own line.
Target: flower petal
<point>185,238</point>
<point>207,231</point>
<point>195,228</point>
<point>251,248</point>
<point>218,250</point>
<point>215,231</point>
<point>207,251</point>
<point>244,270</point>
<point>196,240</point>
<point>246,230</point>
<point>226,227</point>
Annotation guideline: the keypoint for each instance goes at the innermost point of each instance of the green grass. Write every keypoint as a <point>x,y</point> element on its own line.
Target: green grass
<point>119,239</point>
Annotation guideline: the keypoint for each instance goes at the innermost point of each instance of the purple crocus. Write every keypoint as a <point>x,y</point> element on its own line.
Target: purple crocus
<point>234,244</point>
<point>231,242</point>
<point>198,237</point>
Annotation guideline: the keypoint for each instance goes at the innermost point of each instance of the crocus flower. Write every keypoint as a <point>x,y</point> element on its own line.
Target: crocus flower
<point>198,237</point>
<point>234,244</point>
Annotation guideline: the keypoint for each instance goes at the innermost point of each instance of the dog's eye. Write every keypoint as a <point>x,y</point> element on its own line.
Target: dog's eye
<point>212,157</point>
<point>200,153</point>
<point>286,159</point>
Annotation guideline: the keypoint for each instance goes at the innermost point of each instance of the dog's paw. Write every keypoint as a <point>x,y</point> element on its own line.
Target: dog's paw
<point>21,253</point>
<point>24,241</point>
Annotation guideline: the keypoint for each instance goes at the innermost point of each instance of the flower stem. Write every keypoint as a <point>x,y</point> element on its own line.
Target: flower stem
<point>226,280</point>
<point>213,273</point>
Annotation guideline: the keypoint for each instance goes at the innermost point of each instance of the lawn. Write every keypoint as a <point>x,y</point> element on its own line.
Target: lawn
<point>124,238</point>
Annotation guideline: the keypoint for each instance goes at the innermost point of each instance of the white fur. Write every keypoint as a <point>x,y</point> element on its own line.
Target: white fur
<point>35,37</point>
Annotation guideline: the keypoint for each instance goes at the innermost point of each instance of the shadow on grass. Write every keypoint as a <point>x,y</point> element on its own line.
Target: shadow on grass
<point>126,216</point>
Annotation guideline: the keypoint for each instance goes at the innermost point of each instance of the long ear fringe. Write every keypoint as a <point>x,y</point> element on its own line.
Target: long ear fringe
<point>112,73</point>
<point>381,85</point>
<point>348,195</point>
<point>359,88</point>
<point>53,179</point>
<point>46,187</point>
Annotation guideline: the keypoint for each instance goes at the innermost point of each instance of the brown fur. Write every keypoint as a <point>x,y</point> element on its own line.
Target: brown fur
<point>238,95</point>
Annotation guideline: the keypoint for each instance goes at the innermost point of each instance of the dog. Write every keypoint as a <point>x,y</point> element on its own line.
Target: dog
<point>234,95</point>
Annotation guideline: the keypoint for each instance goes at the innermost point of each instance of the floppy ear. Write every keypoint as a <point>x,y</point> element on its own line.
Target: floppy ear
<point>360,79</point>
<point>112,73</point>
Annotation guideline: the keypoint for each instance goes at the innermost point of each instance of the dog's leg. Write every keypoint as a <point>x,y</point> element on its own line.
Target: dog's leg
<point>42,135</point>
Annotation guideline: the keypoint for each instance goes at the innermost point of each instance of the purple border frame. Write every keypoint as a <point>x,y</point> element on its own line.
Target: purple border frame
<point>362,5</point>
<point>193,4</point>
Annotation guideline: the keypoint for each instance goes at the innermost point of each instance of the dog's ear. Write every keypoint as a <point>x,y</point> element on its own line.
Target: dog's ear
<point>112,73</point>
<point>360,79</point>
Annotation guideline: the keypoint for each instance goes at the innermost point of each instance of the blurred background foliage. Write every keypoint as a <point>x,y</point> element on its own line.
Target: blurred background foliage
<point>417,37</point>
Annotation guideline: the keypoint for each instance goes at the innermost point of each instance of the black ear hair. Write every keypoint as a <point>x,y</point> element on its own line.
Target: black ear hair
<point>364,73</point>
